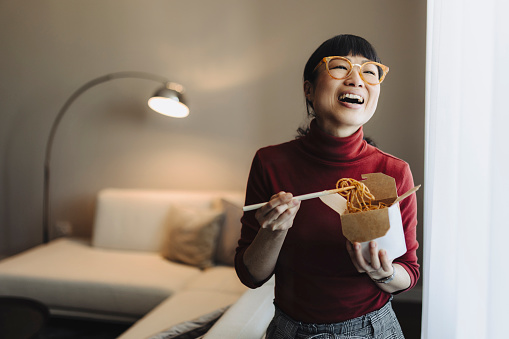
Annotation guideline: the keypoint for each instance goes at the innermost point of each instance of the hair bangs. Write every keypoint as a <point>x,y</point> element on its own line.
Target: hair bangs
<point>340,45</point>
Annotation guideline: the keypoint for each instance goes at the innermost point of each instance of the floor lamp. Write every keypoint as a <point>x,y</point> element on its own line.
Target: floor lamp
<point>167,100</point>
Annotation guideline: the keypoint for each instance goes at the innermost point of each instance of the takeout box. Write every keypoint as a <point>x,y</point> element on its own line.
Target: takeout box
<point>382,225</point>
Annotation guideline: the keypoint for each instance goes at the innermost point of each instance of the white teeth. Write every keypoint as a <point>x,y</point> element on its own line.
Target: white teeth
<point>351,96</point>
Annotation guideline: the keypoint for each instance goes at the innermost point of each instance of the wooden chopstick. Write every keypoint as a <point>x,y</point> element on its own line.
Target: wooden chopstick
<point>301,197</point>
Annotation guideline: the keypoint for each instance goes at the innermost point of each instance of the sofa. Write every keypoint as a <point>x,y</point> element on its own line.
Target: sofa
<point>156,259</point>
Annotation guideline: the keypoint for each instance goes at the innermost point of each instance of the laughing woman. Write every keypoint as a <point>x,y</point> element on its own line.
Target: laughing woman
<point>324,287</point>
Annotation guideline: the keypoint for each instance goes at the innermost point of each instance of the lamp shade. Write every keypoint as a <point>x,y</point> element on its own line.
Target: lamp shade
<point>169,101</point>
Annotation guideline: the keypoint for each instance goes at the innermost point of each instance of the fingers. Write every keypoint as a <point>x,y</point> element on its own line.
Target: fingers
<point>285,219</point>
<point>375,260</point>
<point>385,261</point>
<point>363,264</point>
<point>355,252</point>
<point>351,252</point>
<point>379,264</point>
<point>268,213</point>
<point>279,212</point>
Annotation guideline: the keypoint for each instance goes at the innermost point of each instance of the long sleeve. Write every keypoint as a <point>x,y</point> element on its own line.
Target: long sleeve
<point>408,209</point>
<point>256,192</point>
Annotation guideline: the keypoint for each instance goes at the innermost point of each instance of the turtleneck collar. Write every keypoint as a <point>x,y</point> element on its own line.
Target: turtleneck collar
<point>330,148</point>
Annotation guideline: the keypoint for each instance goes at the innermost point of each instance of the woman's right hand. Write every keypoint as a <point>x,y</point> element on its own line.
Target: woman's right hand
<point>275,218</point>
<point>278,214</point>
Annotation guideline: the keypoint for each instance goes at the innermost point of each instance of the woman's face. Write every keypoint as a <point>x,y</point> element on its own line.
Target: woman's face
<point>334,113</point>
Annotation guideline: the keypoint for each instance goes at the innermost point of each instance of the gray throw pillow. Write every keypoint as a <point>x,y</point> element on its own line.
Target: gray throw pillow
<point>229,234</point>
<point>192,235</point>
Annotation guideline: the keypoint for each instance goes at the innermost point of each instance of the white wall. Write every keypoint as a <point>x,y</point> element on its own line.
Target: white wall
<point>241,62</point>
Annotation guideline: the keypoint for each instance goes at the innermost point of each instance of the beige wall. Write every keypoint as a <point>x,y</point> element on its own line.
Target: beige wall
<point>241,62</point>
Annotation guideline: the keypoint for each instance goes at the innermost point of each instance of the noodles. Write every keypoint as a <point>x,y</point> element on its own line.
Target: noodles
<point>358,199</point>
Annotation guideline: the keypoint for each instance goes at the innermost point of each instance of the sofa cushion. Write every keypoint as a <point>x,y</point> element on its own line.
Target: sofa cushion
<point>136,219</point>
<point>217,278</point>
<point>229,234</point>
<point>68,274</point>
<point>192,235</point>
<point>183,306</point>
<point>249,317</point>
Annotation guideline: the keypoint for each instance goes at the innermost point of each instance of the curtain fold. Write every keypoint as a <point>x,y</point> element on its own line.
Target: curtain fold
<point>466,216</point>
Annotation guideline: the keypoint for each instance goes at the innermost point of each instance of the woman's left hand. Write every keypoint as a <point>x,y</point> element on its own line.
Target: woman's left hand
<point>380,266</point>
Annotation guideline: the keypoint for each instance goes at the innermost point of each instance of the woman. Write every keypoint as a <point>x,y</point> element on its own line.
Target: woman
<point>324,287</point>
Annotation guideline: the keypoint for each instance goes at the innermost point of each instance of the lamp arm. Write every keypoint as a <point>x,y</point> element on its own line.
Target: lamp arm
<point>58,119</point>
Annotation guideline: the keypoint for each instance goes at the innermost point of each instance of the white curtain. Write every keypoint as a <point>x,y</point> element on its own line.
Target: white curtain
<point>466,188</point>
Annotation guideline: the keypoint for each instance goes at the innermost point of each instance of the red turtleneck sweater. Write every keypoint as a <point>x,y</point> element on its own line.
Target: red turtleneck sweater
<point>316,281</point>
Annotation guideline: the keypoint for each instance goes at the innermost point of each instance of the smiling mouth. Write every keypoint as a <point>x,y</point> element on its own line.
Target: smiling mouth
<point>351,98</point>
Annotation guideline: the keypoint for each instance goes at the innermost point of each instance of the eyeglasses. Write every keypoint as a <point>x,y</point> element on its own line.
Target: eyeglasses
<point>340,68</point>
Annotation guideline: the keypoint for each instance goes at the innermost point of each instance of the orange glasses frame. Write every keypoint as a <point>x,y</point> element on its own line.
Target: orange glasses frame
<point>326,60</point>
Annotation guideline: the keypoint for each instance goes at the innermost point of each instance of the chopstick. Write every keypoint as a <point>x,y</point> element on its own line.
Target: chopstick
<point>301,197</point>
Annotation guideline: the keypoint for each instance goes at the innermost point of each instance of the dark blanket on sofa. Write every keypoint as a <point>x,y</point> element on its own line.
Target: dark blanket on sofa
<point>192,329</point>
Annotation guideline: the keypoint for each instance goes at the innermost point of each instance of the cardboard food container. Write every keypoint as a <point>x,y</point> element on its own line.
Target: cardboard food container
<point>382,225</point>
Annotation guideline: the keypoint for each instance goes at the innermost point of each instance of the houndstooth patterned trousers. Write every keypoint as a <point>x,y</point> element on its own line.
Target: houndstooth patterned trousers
<point>380,324</point>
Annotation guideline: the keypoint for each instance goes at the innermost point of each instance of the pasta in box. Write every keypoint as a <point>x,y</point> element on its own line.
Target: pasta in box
<point>384,225</point>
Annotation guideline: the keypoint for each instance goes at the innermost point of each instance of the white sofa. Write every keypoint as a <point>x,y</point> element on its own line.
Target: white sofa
<point>140,265</point>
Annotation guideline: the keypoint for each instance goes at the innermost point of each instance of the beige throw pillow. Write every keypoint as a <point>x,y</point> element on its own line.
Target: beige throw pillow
<point>192,235</point>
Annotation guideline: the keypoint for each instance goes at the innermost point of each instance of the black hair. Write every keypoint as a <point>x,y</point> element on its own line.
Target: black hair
<point>370,141</point>
<point>340,45</point>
